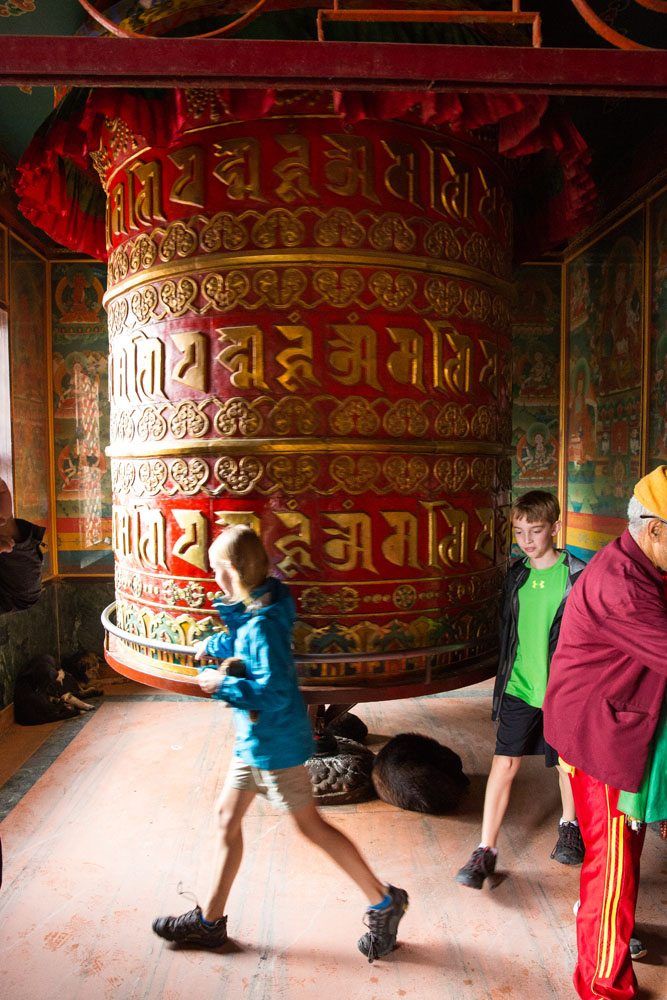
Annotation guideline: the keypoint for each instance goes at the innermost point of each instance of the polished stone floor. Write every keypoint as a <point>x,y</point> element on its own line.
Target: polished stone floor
<point>103,817</point>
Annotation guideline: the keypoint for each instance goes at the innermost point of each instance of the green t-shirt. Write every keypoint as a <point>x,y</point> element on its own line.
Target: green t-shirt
<point>539,600</point>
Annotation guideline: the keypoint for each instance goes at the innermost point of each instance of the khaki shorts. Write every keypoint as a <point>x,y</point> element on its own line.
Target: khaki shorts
<point>287,788</point>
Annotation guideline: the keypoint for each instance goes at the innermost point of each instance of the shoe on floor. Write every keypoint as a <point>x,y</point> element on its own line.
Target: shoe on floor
<point>481,864</point>
<point>637,949</point>
<point>569,849</point>
<point>382,925</point>
<point>188,929</point>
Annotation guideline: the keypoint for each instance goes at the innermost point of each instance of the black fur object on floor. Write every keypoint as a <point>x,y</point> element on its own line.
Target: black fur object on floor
<point>349,726</point>
<point>417,773</point>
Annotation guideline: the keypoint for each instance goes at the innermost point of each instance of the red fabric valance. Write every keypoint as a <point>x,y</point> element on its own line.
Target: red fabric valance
<point>61,193</point>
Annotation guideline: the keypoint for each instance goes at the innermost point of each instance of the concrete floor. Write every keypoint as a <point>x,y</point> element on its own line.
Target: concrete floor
<point>104,816</point>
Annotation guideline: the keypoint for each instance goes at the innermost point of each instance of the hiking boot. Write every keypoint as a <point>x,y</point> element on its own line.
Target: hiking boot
<point>383,925</point>
<point>480,865</point>
<point>637,949</point>
<point>569,849</point>
<point>189,930</point>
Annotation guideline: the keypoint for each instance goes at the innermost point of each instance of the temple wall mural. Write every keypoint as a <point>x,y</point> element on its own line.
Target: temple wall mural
<point>536,335</point>
<point>605,324</point>
<point>81,417</point>
<point>657,411</point>
<point>29,410</point>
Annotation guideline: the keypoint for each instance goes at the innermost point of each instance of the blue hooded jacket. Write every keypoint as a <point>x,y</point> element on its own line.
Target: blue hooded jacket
<point>260,633</point>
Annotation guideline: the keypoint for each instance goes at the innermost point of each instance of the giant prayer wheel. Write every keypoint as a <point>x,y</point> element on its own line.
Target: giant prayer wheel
<point>309,333</point>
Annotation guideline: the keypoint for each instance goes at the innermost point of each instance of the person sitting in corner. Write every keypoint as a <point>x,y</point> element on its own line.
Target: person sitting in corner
<point>20,557</point>
<point>536,588</point>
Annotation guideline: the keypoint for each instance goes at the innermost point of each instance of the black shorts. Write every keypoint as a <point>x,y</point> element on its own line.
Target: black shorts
<point>521,731</point>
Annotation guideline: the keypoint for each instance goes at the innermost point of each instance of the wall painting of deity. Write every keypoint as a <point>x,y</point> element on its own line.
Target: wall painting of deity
<point>81,417</point>
<point>604,329</point>
<point>535,379</point>
<point>27,334</point>
<point>657,416</point>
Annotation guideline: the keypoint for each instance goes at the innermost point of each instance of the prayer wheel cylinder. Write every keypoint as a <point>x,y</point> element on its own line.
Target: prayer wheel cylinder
<point>309,332</point>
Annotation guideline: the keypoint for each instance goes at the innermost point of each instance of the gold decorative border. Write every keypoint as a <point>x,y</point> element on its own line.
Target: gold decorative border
<point>252,418</point>
<point>296,475</point>
<point>282,289</point>
<point>334,230</point>
<point>318,446</point>
<point>314,258</point>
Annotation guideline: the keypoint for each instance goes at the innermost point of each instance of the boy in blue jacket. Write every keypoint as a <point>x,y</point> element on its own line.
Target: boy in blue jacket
<point>273,740</point>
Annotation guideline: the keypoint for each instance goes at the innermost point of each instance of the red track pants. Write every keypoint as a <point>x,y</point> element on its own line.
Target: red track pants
<point>609,884</point>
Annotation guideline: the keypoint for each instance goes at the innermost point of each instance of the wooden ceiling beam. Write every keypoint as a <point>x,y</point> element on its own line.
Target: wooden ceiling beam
<point>177,62</point>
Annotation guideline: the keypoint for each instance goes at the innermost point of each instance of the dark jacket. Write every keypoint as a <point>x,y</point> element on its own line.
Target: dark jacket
<point>21,569</point>
<point>509,619</point>
<point>609,676</point>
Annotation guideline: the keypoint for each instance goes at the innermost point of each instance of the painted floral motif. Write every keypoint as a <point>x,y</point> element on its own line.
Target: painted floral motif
<point>14,8</point>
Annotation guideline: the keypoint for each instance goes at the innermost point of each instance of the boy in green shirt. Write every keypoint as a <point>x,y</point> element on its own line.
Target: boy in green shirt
<point>536,588</point>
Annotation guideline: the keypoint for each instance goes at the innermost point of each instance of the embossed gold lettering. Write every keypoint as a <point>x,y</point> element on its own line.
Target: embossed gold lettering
<point>116,213</point>
<point>486,539</point>
<point>452,550</point>
<point>350,166</point>
<point>450,183</point>
<point>188,188</point>
<point>401,547</point>
<point>238,169</point>
<point>488,375</point>
<point>224,518</point>
<point>454,373</point>
<point>149,367</point>
<point>147,202</point>
<point>406,365</point>
<point>192,546</point>
<point>149,529</point>
<point>401,177</point>
<point>298,360</point>
<point>353,354</point>
<point>294,170</point>
<point>295,546</point>
<point>136,369</point>
<point>192,369</point>
<point>121,532</point>
<point>350,542</point>
<point>244,357</point>
<point>489,201</point>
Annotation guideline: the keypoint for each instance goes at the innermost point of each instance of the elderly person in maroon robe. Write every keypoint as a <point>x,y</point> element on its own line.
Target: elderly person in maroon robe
<point>603,703</point>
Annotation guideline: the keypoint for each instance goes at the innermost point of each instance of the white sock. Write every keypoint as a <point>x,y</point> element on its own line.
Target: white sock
<point>485,848</point>
<point>573,821</point>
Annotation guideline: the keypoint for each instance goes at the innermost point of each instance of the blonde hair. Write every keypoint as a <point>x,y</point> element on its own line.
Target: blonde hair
<point>240,546</point>
<point>537,505</point>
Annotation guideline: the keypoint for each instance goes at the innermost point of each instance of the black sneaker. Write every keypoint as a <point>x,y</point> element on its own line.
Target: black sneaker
<point>383,925</point>
<point>188,929</point>
<point>569,849</point>
<point>637,949</point>
<point>480,865</point>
